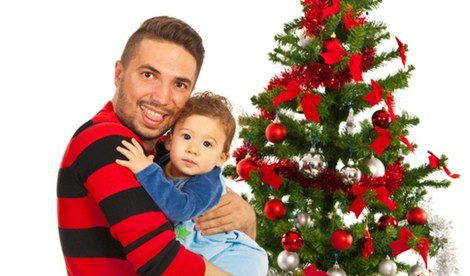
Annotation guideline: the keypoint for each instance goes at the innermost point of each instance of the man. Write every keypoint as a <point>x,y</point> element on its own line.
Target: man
<point>108,224</point>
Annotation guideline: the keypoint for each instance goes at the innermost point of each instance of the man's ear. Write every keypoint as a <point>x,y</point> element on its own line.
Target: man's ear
<point>224,156</point>
<point>168,141</point>
<point>118,72</point>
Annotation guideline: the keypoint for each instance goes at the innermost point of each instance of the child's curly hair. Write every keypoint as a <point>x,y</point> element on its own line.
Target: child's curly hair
<point>214,106</point>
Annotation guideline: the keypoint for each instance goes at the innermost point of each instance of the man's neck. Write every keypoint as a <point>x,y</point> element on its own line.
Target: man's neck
<point>149,145</point>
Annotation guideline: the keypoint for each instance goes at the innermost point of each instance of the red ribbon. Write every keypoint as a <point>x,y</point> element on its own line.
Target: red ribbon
<point>401,48</point>
<point>355,61</point>
<point>309,101</point>
<point>366,247</point>
<point>382,142</point>
<point>309,105</point>
<point>375,96</point>
<point>402,244</point>
<point>390,103</point>
<point>434,163</point>
<point>351,20</point>
<point>334,51</point>
<point>333,9</point>
<point>381,194</point>
<point>407,143</point>
<point>269,177</point>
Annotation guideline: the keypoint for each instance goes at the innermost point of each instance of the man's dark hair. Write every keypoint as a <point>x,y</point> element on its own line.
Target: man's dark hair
<point>169,29</point>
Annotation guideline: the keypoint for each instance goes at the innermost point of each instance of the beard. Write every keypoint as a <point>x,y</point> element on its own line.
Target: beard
<point>126,113</point>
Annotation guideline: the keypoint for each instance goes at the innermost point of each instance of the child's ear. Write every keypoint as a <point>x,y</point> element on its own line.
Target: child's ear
<point>224,156</point>
<point>169,138</point>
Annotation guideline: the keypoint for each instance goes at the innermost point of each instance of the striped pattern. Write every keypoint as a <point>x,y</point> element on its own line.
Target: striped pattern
<point>108,224</point>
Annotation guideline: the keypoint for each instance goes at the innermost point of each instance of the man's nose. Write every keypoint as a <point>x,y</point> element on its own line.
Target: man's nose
<point>162,93</point>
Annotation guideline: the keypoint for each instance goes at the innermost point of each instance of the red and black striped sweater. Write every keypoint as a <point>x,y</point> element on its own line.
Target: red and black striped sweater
<point>108,224</point>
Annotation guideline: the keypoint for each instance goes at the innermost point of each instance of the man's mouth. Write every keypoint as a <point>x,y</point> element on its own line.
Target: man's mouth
<point>153,115</point>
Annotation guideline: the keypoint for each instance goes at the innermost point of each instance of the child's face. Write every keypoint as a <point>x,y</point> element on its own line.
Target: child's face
<point>196,146</point>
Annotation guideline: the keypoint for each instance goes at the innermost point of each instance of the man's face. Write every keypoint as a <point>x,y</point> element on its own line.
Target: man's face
<point>153,87</point>
<point>197,146</point>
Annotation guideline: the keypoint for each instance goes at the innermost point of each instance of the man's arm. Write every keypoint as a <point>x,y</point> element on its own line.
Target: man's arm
<point>134,219</point>
<point>232,213</point>
<point>198,195</point>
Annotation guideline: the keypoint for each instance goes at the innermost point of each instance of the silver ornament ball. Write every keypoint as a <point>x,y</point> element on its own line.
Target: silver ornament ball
<point>288,260</point>
<point>303,219</point>
<point>304,42</point>
<point>417,270</point>
<point>387,267</point>
<point>336,271</point>
<point>272,272</point>
<point>350,174</point>
<point>376,167</point>
<point>312,163</point>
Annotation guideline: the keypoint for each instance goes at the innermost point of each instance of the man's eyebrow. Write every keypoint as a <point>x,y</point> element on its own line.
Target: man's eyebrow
<point>154,70</point>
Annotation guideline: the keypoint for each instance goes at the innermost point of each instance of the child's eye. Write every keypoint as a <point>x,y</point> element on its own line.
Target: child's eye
<point>207,144</point>
<point>186,136</point>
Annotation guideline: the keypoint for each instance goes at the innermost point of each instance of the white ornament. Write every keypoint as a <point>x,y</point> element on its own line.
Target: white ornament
<point>417,270</point>
<point>387,267</point>
<point>288,260</point>
<point>304,42</point>
<point>312,163</point>
<point>336,271</point>
<point>303,219</point>
<point>376,167</point>
<point>350,123</point>
<point>350,174</point>
<point>272,272</point>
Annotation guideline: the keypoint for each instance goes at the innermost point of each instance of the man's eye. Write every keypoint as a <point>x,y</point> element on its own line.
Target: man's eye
<point>207,144</point>
<point>148,75</point>
<point>181,85</point>
<point>186,136</point>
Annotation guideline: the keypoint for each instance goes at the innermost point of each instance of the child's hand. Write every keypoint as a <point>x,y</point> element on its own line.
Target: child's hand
<point>135,153</point>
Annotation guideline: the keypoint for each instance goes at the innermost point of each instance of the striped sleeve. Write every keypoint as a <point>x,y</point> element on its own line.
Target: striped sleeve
<point>134,219</point>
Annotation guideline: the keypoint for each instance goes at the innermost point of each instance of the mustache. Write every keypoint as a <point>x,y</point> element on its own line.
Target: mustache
<point>157,106</point>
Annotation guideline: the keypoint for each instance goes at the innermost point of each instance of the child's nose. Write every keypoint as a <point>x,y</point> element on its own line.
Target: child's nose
<point>193,149</point>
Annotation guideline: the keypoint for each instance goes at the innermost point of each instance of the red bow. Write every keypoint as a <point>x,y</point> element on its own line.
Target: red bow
<point>381,194</point>
<point>402,244</point>
<point>309,101</point>
<point>382,142</point>
<point>375,96</point>
<point>269,177</point>
<point>366,246</point>
<point>401,48</point>
<point>407,143</point>
<point>355,67</point>
<point>390,102</point>
<point>351,21</point>
<point>311,270</point>
<point>333,9</point>
<point>434,163</point>
<point>334,51</point>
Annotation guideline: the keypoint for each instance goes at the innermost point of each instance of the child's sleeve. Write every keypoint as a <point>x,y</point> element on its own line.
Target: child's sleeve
<point>198,195</point>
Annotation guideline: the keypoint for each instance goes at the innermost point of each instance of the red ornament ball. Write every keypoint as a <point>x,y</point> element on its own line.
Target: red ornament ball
<point>341,240</point>
<point>416,216</point>
<point>245,167</point>
<point>381,118</point>
<point>385,221</point>
<point>276,132</point>
<point>292,241</point>
<point>274,209</point>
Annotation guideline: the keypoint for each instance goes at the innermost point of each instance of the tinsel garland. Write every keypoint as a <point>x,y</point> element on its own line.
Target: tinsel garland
<point>313,22</point>
<point>316,74</point>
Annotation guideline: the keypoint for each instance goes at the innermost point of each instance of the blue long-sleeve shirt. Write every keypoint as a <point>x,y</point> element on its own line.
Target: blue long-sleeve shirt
<point>182,199</point>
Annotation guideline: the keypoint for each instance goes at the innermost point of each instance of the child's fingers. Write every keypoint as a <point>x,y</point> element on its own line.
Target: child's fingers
<point>123,163</point>
<point>138,146</point>
<point>150,157</point>
<point>128,154</point>
<point>130,147</point>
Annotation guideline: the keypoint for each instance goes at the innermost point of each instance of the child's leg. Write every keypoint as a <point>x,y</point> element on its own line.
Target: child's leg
<point>242,260</point>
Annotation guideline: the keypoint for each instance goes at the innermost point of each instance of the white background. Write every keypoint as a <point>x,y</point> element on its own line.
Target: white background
<point>56,71</point>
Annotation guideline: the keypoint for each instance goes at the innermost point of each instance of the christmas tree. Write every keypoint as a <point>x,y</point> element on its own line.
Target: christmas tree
<point>310,163</point>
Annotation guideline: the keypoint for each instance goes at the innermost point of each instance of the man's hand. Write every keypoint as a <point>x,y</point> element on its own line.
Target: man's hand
<point>232,213</point>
